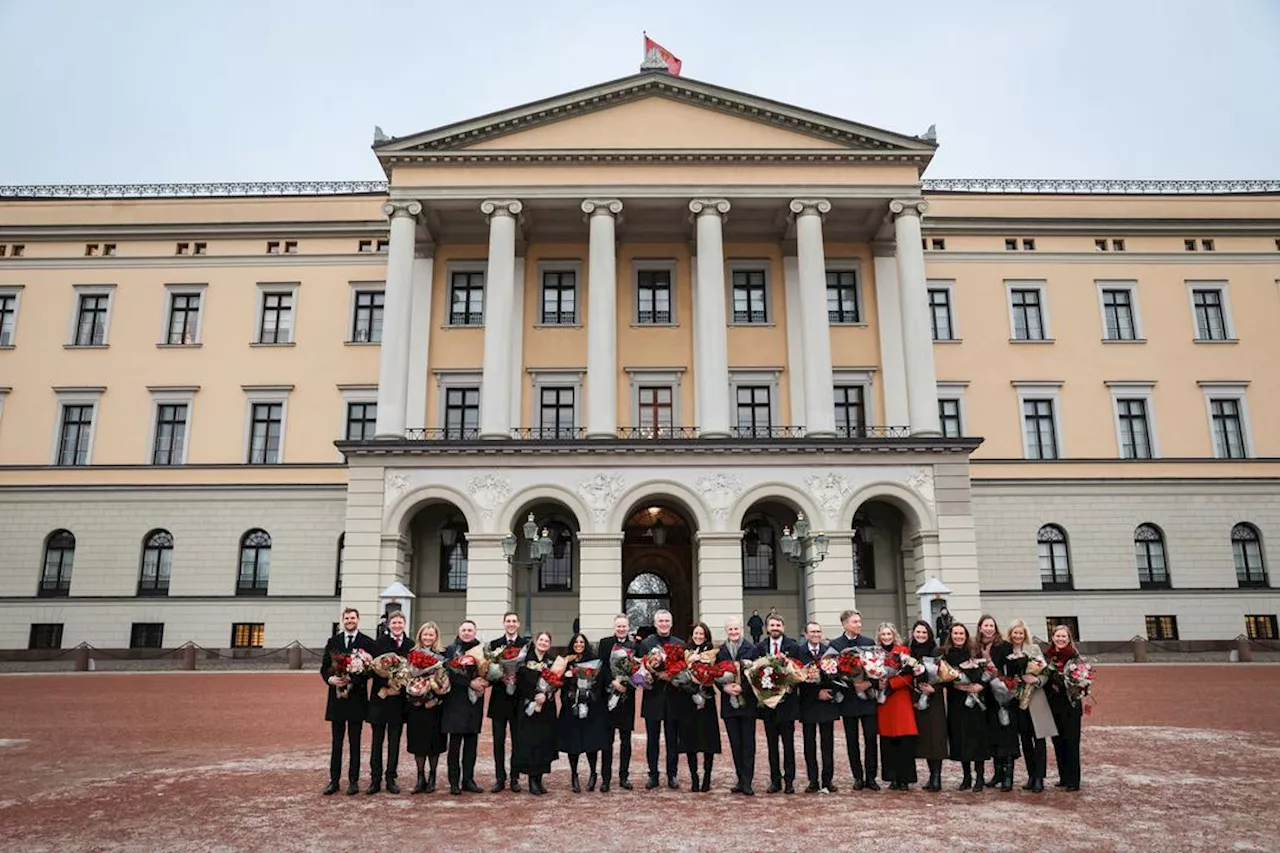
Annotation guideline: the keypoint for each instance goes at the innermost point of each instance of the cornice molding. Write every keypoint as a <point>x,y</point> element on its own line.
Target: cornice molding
<point>17,232</point>
<point>934,259</point>
<point>1100,186</point>
<point>118,263</point>
<point>582,156</point>
<point>226,189</point>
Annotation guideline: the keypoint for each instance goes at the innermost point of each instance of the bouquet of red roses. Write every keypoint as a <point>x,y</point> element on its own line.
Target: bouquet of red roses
<point>423,663</point>
<point>506,664</point>
<point>350,665</point>
<point>730,673</point>
<point>394,669</point>
<point>874,668</point>
<point>550,680</point>
<point>472,664</point>
<point>625,668</point>
<point>704,675</point>
<point>772,677</point>
<point>1004,689</point>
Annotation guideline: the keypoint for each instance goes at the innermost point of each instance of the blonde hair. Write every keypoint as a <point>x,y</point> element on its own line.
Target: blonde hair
<point>897,638</point>
<point>417,638</point>
<point>1026,632</point>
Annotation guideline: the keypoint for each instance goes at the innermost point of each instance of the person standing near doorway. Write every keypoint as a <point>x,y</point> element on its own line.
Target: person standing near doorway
<point>756,626</point>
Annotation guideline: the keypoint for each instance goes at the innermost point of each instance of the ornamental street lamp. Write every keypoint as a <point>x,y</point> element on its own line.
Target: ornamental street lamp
<point>539,550</point>
<point>796,547</point>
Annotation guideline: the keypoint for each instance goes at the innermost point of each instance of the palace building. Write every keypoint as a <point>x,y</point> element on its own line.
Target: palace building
<point>727,354</point>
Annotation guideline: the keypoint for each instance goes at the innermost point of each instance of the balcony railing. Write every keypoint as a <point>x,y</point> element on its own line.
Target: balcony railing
<point>651,433</point>
<point>767,432</point>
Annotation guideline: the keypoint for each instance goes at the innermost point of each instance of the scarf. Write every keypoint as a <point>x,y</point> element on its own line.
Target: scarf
<point>1061,657</point>
<point>955,657</point>
<point>923,650</point>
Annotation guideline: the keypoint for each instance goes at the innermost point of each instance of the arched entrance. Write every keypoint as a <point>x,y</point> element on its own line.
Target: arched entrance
<point>545,593</point>
<point>437,557</point>
<point>657,564</point>
<point>771,581</point>
<point>883,565</point>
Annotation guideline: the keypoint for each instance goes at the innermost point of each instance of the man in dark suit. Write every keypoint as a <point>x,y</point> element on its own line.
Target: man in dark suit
<point>780,722</point>
<point>818,715</point>
<point>660,707</point>
<point>345,713</point>
<point>622,719</point>
<point>461,719</point>
<point>386,715</point>
<point>855,711</point>
<point>740,722</point>
<point>502,707</point>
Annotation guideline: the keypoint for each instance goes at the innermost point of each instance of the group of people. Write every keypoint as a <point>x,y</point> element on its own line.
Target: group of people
<point>888,724</point>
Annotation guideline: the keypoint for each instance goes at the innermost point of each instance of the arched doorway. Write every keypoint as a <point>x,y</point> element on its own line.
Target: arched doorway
<point>883,565</point>
<point>437,557</point>
<point>646,595</point>
<point>657,564</point>
<point>771,581</point>
<point>545,594</point>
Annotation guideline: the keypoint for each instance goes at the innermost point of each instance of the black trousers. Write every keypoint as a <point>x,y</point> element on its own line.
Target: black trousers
<point>1035,755</point>
<point>868,723</point>
<point>501,725</point>
<point>353,729</point>
<point>742,743</point>
<point>828,734</point>
<point>1066,747</point>
<point>391,733</point>
<point>624,754</point>
<point>670,728</point>
<point>784,731</point>
<point>462,758</point>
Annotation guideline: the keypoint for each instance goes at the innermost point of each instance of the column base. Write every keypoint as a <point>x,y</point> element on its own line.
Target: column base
<point>389,436</point>
<point>714,434</point>
<point>603,434</point>
<point>824,433</point>
<point>495,436</point>
<point>926,433</point>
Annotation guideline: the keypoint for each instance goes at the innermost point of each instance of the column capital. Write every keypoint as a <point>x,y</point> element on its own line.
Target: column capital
<point>709,206</point>
<point>810,207</point>
<point>492,207</point>
<point>907,207</point>
<point>602,206</point>
<point>410,209</point>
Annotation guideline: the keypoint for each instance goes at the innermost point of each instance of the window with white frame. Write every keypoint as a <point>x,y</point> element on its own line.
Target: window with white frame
<point>93,315</point>
<point>754,395</point>
<point>1246,548</point>
<point>277,304</point>
<point>655,400</point>
<point>1149,551</point>
<point>458,403</point>
<point>950,421</point>
<point>559,297</point>
<point>940,312</point>
<point>182,314</point>
<point>170,424</point>
<point>9,315</point>
<point>367,302</point>
<point>1041,427</point>
<point>1054,558</point>
<point>265,423</point>
<point>1027,315</point>
<point>853,401</point>
<point>1119,311</point>
<point>466,297</point>
<point>1209,306</point>
<point>1228,419</point>
<point>557,394</point>
<point>655,293</point>
<point>362,421</point>
<point>750,296</point>
<point>844,298</point>
<point>1135,428</point>
<point>77,414</point>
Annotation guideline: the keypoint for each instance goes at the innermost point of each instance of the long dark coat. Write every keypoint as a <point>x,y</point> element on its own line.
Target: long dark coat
<point>932,721</point>
<point>502,705</point>
<point>461,715</point>
<point>654,704</point>
<point>423,726</point>
<point>355,705</point>
<point>966,727</point>
<point>699,727</point>
<point>747,701</point>
<point>391,708</point>
<point>1003,739</point>
<point>623,717</point>
<point>813,709</point>
<point>533,746</point>
<point>788,709</point>
<point>852,706</point>
<point>575,735</point>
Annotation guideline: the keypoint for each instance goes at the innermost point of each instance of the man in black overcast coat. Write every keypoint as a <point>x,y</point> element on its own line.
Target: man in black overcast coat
<point>502,707</point>
<point>780,722</point>
<point>622,719</point>
<point>658,708</point>
<point>855,712</point>
<point>386,714</point>
<point>345,713</point>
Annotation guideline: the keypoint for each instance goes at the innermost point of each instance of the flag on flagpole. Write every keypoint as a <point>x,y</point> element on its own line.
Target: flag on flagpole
<point>656,56</point>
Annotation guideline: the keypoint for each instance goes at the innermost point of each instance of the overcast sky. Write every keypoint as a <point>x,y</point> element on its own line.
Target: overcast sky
<point>232,90</point>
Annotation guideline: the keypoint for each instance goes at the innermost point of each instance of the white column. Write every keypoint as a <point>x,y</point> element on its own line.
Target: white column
<point>393,366</point>
<point>719,578</point>
<point>889,314</point>
<point>489,593</point>
<point>419,343</point>
<point>602,319</point>
<point>795,338</point>
<point>517,348</point>
<point>710,335</point>
<point>600,582</point>
<point>917,333</point>
<point>819,395</point>
<point>499,285</point>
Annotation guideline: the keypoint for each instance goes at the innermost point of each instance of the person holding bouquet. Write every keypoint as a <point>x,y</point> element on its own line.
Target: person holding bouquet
<point>966,716</point>
<point>423,717</point>
<point>533,744</point>
<point>1067,707</point>
<point>738,707</point>
<point>1031,714</point>
<point>621,718</point>
<point>583,721</point>
<point>818,715</point>
<point>463,718</point>
<point>386,713</point>
<point>896,716</point>
<point>347,702</point>
<point>931,721</point>
<point>780,722</point>
<point>858,712</point>
<point>1002,733</point>
<point>699,726</point>
<point>660,713</point>
<point>502,712</point>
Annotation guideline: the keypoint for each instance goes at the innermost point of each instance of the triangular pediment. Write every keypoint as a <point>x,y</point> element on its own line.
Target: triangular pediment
<point>654,112</point>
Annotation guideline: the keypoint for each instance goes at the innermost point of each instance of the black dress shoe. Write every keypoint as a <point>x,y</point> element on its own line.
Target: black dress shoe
<point>1037,786</point>
<point>775,787</point>
<point>1071,787</point>
<point>652,783</point>
<point>455,788</point>
<point>871,785</point>
<point>604,786</point>
<point>748,790</point>
<point>789,787</point>
<point>693,784</point>
<point>515,784</point>
<point>574,784</point>
<point>471,787</point>
<point>736,789</point>
<point>1060,784</point>
<point>1031,783</point>
<point>374,788</point>
<point>625,783</point>
<point>353,788</point>
<point>858,784</point>
<point>421,787</point>
<point>591,781</point>
<point>813,788</point>
<point>331,789</point>
<point>498,787</point>
<point>431,784</point>
<point>831,788</point>
<point>392,787</point>
<point>672,782</point>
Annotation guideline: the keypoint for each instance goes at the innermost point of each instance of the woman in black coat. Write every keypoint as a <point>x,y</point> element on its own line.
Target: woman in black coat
<point>583,722</point>
<point>966,724</point>
<point>533,746</point>
<point>423,718</point>
<point>931,745</point>
<point>699,727</point>
<point>1002,736</point>
<point>1067,708</point>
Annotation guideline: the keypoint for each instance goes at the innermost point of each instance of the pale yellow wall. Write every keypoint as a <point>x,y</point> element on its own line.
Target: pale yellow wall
<point>858,346</point>
<point>208,211</point>
<point>655,346</point>
<point>1033,207</point>
<point>763,345</point>
<point>449,347</point>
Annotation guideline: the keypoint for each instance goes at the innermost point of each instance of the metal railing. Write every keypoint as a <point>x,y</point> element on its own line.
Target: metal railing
<point>650,433</point>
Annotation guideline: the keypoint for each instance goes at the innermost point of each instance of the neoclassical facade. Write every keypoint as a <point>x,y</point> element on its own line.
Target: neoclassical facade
<point>670,324</point>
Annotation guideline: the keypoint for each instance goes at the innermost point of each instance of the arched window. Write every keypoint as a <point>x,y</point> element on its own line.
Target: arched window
<point>1148,548</point>
<point>646,595</point>
<point>157,563</point>
<point>255,563</point>
<point>453,556</point>
<point>59,555</point>
<point>1246,543</point>
<point>1055,559</point>
<point>864,555</point>
<point>759,554</point>
<point>342,556</point>
<point>557,569</point>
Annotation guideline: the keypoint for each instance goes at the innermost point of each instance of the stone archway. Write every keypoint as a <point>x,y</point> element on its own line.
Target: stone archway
<point>658,540</point>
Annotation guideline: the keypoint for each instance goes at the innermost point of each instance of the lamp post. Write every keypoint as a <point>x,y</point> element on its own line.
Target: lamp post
<point>796,547</point>
<point>539,550</point>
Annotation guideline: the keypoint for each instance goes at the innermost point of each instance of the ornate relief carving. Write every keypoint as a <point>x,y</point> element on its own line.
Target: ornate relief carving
<point>601,492</point>
<point>489,491</point>
<point>719,491</point>
<point>921,479</point>
<point>828,492</point>
<point>395,485</point>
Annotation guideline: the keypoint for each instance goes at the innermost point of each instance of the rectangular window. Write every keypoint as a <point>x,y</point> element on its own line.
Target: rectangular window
<point>938,244</point>
<point>8,318</point>
<point>248,635</point>
<point>755,419</point>
<point>1228,428</point>
<point>1211,318</point>
<point>366,325</point>
<point>653,294</point>
<point>843,304</point>
<point>556,573</point>
<point>462,413</point>
<point>171,433</point>
<point>656,404</point>
<point>1135,429</point>
<point>1207,245</point>
<point>1028,321</point>
<point>1028,244</point>
<point>940,314</point>
<point>1039,429</point>
<point>73,441</point>
<point>949,418</point>
<point>266,422</point>
<point>466,299</point>
<point>184,318</point>
<point>749,305</point>
<point>559,298</point>
<point>1117,245</point>
<point>1261,627</point>
<point>1051,622</point>
<point>277,318</point>
<point>362,421</point>
<point>1100,245</point>
<point>91,320</point>
<point>291,247</point>
<point>851,411</point>
<point>1117,309</point>
<point>147,635</point>
<point>45,635</point>
<point>1162,627</point>
<point>1010,245</point>
<point>556,413</point>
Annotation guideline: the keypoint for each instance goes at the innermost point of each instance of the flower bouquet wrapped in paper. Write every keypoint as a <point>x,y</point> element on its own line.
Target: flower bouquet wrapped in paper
<point>652,664</point>
<point>1078,678</point>
<point>1035,666</point>
<point>625,667</point>
<point>875,667</point>
<point>473,665</point>
<point>705,674</point>
<point>974,671</point>
<point>729,672</point>
<point>550,680</point>
<point>1004,689</point>
<point>936,671</point>
<point>353,664</point>
<point>504,666</point>
<point>395,669</point>
<point>772,677</point>
<point>584,674</point>
<point>426,690</point>
<point>424,663</point>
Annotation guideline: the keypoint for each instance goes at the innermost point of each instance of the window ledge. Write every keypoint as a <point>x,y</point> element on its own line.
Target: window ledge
<point>86,346</point>
<point>655,325</point>
<point>449,327</point>
<point>1032,341</point>
<point>362,343</point>
<point>1124,340</point>
<point>196,345</point>
<point>855,324</point>
<point>1217,340</point>
<point>6,346</point>
<point>948,340</point>
<point>557,325</point>
<point>280,344</point>
<point>453,593</point>
<point>752,325</point>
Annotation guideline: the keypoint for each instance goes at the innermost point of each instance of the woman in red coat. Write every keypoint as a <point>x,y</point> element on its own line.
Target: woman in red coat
<point>896,716</point>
